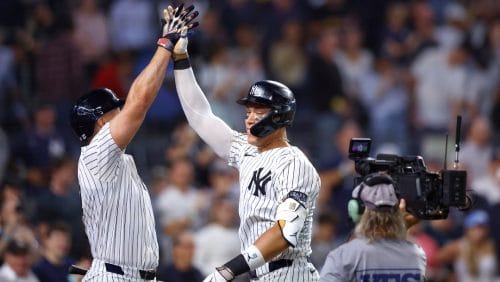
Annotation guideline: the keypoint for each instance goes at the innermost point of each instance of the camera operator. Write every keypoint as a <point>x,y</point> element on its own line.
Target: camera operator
<point>379,250</point>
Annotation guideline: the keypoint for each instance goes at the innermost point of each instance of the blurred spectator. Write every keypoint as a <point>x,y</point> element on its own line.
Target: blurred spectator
<point>90,22</point>
<point>13,218</point>
<point>247,67</point>
<point>59,69</point>
<point>132,24</point>
<point>445,230</point>
<point>236,12</point>
<point>17,263</point>
<point>395,34</point>
<point>185,143</point>
<point>452,32</point>
<point>115,73</point>
<point>219,78</point>
<point>484,79</point>
<point>275,16</point>
<point>181,268</point>
<point>325,91</point>
<point>430,246</point>
<point>179,205</point>
<point>476,150</point>
<point>423,25</point>
<point>223,182</point>
<point>36,147</point>
<point>495,119</point>
<point>488,185</point>
<point>440,85</point>
<point>54,264</point>
<point>353,60</point>
<point>4,153</point>
<point>336,173</point>
<point>287,57</point>
<point>324,238</point>
<point>218,241</point>
<point>494,211</point>
<point>385,94</point>
<point>8,81</point>
<point>331,12</point>
<point>61,202</point>
<point>15,80</point>
<point>39,25</point>
<point>483,14</point>
<point>212,34</point>
<point>472,255</point>
<point>159,180</point>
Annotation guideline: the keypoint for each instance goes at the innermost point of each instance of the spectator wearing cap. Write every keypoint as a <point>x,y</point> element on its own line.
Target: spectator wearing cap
<point>379,248</point>
<point>17,263</point>
<point>473,255</point>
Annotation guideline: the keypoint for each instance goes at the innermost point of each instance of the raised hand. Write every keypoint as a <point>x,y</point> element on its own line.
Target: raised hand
<point>174,21</point>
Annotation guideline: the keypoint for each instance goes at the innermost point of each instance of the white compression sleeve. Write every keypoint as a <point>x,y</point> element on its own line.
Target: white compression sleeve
<point>214,131</point>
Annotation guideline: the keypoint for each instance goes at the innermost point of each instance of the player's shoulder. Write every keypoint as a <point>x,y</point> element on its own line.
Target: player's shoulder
<point>102,138</point>
<point>296,156</point>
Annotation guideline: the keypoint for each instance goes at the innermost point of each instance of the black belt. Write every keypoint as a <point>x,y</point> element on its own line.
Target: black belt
<point>273,265</point>
<point>145,274</point>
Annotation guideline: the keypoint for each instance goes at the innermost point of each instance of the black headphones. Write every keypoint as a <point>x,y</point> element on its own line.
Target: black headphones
<point>355,206</point>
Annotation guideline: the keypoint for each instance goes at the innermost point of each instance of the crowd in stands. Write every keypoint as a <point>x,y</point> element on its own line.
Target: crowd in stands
<point>399,72</point>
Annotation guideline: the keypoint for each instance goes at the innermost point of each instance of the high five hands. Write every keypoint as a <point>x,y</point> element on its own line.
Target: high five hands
<point>176,23</point>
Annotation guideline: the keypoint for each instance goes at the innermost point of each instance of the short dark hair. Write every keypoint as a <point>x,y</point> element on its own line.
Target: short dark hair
<point>17,247</point>
<point>58,226</point>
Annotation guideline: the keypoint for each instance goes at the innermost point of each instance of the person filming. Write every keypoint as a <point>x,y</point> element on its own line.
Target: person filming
<point>379,250</point>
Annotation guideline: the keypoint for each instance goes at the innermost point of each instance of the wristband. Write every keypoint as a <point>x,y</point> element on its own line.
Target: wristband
<point>165,43</point>
<point>182,63</point>
<point>253,257</point>
<point>249,259</point>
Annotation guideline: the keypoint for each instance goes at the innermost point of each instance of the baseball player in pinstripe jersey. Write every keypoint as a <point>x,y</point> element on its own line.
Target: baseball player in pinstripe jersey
<point>117,210</point>
<point>278,184</point>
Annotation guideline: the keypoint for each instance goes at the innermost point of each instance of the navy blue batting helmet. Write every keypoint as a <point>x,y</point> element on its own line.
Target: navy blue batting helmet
<point>279,98</point>
<point>89,108</point>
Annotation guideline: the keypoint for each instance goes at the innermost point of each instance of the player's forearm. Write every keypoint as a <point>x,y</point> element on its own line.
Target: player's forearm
<point>146,86</point>
<point>215,132</point>
<point>268,245</point>
<point>271,243</point>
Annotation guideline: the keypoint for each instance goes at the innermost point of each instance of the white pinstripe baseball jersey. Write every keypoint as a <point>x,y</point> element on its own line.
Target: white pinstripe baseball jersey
<point>117,210</point>
<point>266,179</point>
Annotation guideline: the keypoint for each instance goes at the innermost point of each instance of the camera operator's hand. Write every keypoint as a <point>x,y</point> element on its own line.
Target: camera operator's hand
<point>409,218</point>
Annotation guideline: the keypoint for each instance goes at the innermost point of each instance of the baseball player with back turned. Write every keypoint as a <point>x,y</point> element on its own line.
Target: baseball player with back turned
<point>278,184</point>
<point>117,210</point>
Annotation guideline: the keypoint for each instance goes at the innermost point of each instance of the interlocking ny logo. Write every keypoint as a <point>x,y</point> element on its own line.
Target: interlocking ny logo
<point>259,182</point>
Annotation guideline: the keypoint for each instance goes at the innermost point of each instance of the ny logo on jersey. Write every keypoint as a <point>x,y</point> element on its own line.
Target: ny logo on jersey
<point>259,181</point>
